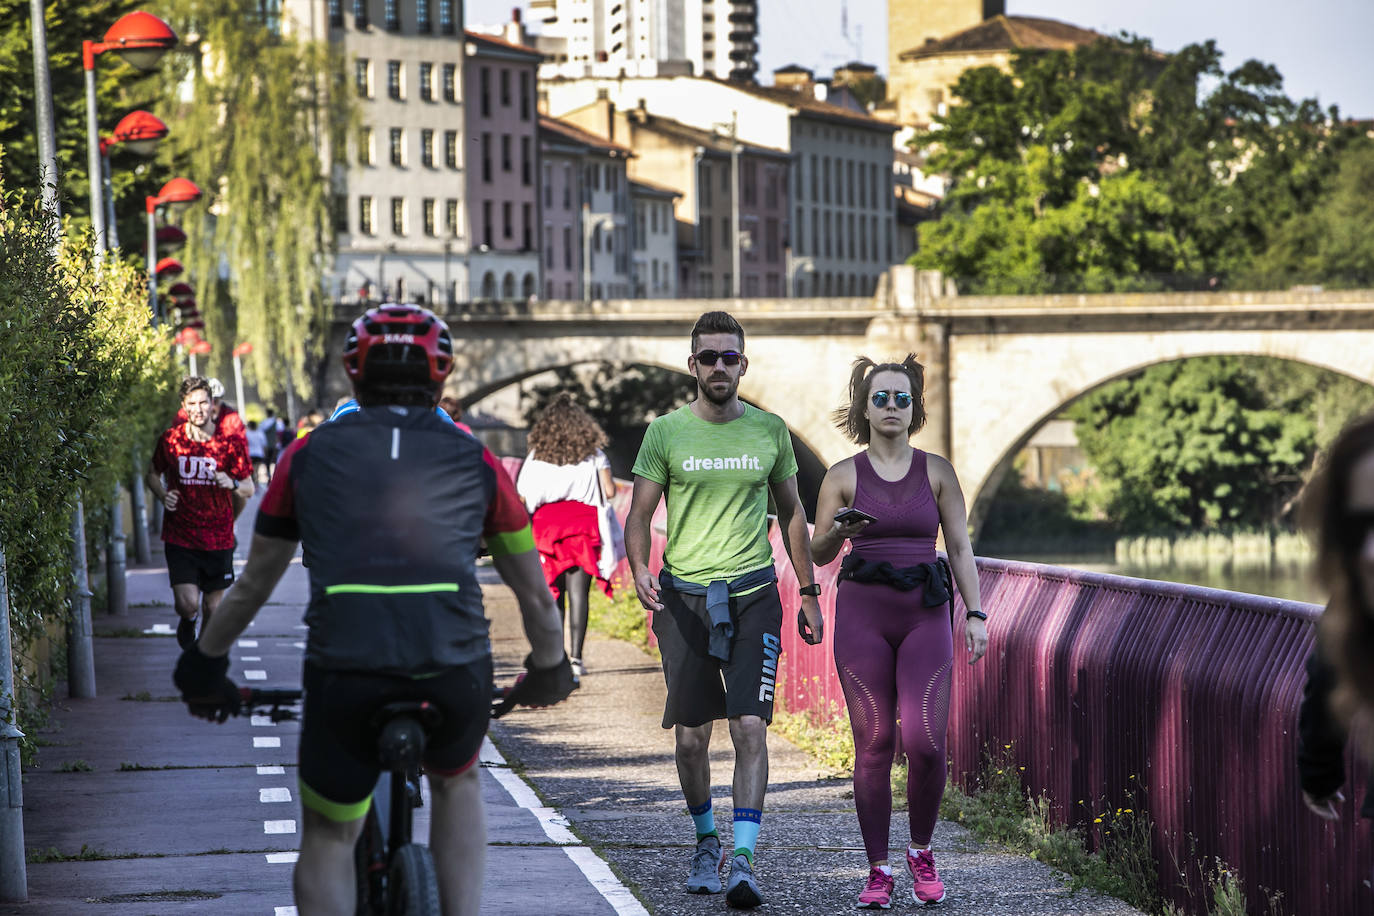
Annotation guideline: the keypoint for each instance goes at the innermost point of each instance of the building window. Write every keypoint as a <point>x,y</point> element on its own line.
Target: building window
<point>429,216</point>
<point>450,83</point>
<point>851,236</point>
<point>505,153</point>
<point>849,183</point>
<point>815,193</point>
<point>422,16</point>
<point>486,223</point>
<point>706,246</point>
<point>704,185</point>
<point>507,220</point>
<point>393,80</point>
<point>815,231</point>
<point>397,146</point>
<point>801,177</point>
<point>524,95</point>
<point>366,152</point>
<point>484,90</point>
<point>548,252</point>
<point>451,148</point>
<point>398,216</point>
<point>427,82</point>
<point>825,187</point>
<point>548,186</point>
<point>427,147</point>
<point>567,247</point>
<point>505,88</point>
<point>801,231</point>
<point>486,158</point>
<point>526,164</point>
<point>827,236</point>
<point>340,212</point>
<point>362,77</point>
<point>567,186</point>
<point>451,216</point>
<point>748,190</point>
<point>360,13</point>
<point>527,226</point>
<point>393,16</point>
<point>446,17</point>
<point>336,12</point>
<point>863,237</point>
<point>725,233</point>
<point>770,241</point>
<point>365,215</point>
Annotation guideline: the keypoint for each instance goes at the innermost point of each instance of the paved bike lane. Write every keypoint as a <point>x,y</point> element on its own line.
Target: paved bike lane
<point>137,808</point>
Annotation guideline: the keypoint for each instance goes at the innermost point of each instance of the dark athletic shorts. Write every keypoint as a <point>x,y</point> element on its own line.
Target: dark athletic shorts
<point>702,688</point>
<point>207,570</point>
<point>338,749</point>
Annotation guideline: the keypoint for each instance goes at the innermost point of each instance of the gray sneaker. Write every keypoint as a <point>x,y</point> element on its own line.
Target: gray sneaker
<point>704,878</point>
<point>742,892</point>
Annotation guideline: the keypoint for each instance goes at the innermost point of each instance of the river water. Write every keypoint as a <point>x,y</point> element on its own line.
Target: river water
<point>1291,580</point>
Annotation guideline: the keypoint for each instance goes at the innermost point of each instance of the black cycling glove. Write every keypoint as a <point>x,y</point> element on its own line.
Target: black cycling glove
<point>205,686</point>
<point>537,687</point>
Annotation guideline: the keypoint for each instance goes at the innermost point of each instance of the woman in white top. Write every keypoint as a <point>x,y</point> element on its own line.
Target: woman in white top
<point>565,481</point>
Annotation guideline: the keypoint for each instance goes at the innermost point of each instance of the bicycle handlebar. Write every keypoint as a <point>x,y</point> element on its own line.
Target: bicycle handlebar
<point>271,700</point>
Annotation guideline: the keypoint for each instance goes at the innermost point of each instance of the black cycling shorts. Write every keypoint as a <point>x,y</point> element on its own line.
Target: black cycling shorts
<point>338,750</point>
<point>702,688</point>
<point>207,570</point>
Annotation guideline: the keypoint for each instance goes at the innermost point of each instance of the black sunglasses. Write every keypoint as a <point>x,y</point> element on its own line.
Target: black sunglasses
<point>1355,529</point>
<point>902,398</point>
<point>729,357</point>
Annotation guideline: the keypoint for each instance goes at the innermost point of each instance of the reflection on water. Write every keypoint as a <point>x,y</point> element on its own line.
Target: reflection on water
<point>1277,580</point>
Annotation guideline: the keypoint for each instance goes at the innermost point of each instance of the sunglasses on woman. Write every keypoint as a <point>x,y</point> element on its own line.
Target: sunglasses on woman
<point>901,398</point>
<point>729,357</point>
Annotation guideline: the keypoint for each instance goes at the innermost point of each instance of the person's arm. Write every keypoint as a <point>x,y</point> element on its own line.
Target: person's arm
<point>160,491</point>
<point>522,572</point>
<point>949,498</point>
<point>643,502</point>
<point>797,540</point>
<point>837,491</point>
<point>268,558</point>
<point>1321,740</point>
<point>607,483</point>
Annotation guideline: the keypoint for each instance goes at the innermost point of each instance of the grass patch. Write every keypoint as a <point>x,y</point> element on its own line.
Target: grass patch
<point>163,896</point>
<point>826,739</point>
<point>144,696</point>
<point>130,633</point>
<point>621,617</point>
<point>74,766</point>
<point>87,854</point>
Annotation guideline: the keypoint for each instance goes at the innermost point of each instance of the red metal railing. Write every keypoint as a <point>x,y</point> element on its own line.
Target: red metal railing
<point>1114,692</point>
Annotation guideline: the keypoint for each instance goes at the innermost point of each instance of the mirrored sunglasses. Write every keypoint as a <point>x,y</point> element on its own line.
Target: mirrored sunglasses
<point>709,357</point>
<point>901,398</point>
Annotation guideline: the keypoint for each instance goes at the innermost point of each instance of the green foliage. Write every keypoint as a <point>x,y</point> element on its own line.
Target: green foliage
<point>620,617</point>
<point>1207,443</point>
<point>251,136</point>
<point>120,89</point>
<point>83,380</point>
<point>1106,169</point>
<point>824,736</point>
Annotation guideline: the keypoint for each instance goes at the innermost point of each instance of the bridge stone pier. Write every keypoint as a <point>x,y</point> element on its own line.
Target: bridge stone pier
<point>998,367</point>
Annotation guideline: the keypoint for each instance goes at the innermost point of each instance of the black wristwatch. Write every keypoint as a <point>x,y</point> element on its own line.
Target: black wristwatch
<point>979,614</point>
<point>813,590</point>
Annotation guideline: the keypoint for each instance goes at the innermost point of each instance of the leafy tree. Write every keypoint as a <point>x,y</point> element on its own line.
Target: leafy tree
<point>260,110</point>
<point>120,89</point>
<point>1108,168</point>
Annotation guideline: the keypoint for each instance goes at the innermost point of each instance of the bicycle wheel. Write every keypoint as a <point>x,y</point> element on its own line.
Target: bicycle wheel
<point>412,885</point>
<point>369,864</point>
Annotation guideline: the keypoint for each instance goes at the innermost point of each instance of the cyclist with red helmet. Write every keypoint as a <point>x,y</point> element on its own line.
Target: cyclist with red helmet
<point>390,504</point>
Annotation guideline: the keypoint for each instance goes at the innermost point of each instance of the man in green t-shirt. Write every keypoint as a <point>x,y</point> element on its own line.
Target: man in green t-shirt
<point>717,613</point>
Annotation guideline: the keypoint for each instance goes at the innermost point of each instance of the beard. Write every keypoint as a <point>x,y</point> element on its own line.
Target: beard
<point>710,394</point>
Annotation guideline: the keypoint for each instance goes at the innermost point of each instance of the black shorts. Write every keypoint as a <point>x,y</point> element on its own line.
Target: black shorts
<point>338,749</point>
<point>207,570</point>
<point>702,688</point>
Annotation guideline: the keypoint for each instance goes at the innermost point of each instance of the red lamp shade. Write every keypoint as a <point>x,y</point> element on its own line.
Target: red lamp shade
<point>201,347</point>
<point>141,39</point>
<point>139,131</point>
<point>180,289</point>
<point>170,238</point>
<point>243,349</point>
<point>168,267</point>
<point>178,191</point>
<point>186,336</point>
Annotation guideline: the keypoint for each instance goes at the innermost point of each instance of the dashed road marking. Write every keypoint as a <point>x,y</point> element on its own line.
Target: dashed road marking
<point>278,826</point>
<point>253,674</point>
<point>271,771</point>
<point>271,796</point>
<point>283,858</point>
<point>284,911</point>
<point>248,643</point>
<point>259,741</point>
<point>250,658</point>
<point>262,722</point>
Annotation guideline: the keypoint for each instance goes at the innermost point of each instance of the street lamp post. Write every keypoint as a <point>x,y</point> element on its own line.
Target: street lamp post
<point>139,133</point>
<point>795,265</point>
<point>176,191</point>
<point>141,39</point>
<point>589,226</point>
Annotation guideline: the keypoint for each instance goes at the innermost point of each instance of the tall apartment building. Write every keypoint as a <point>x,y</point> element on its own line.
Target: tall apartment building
<point>610,38</point>
<point>399,217</point>
<point>502,126</point>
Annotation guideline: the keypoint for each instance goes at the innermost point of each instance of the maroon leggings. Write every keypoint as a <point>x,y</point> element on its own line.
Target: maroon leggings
<point>891,653</point>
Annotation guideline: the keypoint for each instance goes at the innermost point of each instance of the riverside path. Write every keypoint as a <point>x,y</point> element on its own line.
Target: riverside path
<point>135,808</point>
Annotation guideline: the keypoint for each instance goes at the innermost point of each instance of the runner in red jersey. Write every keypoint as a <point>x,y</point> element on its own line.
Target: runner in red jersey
<point>196,472</point>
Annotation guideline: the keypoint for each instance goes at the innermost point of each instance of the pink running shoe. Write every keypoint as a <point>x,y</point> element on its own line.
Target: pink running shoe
<point>926,884</point>
<point>877,893</point>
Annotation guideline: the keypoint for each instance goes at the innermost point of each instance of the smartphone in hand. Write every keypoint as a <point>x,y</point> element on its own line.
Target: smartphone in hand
<point>850,516</point>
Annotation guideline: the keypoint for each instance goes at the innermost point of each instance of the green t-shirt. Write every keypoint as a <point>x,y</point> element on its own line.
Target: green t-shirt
<point>715,478</point>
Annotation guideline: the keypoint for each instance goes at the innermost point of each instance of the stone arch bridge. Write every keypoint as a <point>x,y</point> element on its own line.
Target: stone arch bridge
<point>998,367</point>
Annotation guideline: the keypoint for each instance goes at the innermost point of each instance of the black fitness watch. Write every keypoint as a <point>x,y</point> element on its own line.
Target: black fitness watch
<point>813,590</point>
<point>979,614</point>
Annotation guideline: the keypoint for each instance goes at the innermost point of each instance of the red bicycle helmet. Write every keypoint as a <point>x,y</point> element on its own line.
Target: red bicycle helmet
<point>398,344</point>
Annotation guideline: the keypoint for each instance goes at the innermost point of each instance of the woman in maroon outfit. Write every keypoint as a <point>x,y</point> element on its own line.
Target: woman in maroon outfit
<point>893,632</point>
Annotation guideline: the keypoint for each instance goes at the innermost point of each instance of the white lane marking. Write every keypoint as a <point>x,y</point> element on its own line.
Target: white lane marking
<point>301,626</point>
<point>259,741</point>
<point>284,911</point>
<point>283,858</point>
<point>395,442</point>
<point>593,868</point>
<point>253,674</point>
<point>262,722</point>
<point>298,645</point>
<point>278,826</point>
<point>271,771</point>
<point>269,796</point>
<point>160,628</point>
<point>250,658</point>
<point>248,643</point>
<point>605,881</point>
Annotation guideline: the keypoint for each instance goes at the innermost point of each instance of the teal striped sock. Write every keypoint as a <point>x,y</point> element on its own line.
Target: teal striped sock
<point>748,822</point>
<point>704,819</point>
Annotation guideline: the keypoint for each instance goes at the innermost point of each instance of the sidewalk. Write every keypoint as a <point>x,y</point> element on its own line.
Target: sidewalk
<point>180,816</point>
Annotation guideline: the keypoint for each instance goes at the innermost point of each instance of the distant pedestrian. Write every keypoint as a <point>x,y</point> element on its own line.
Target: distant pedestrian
<point>716,609</point>
<point>271,431</point>
<point>257,451</point>
<point>1338,512</point>
<point>566,484</point>
<point>893,626</point>
<point>195,471</point>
